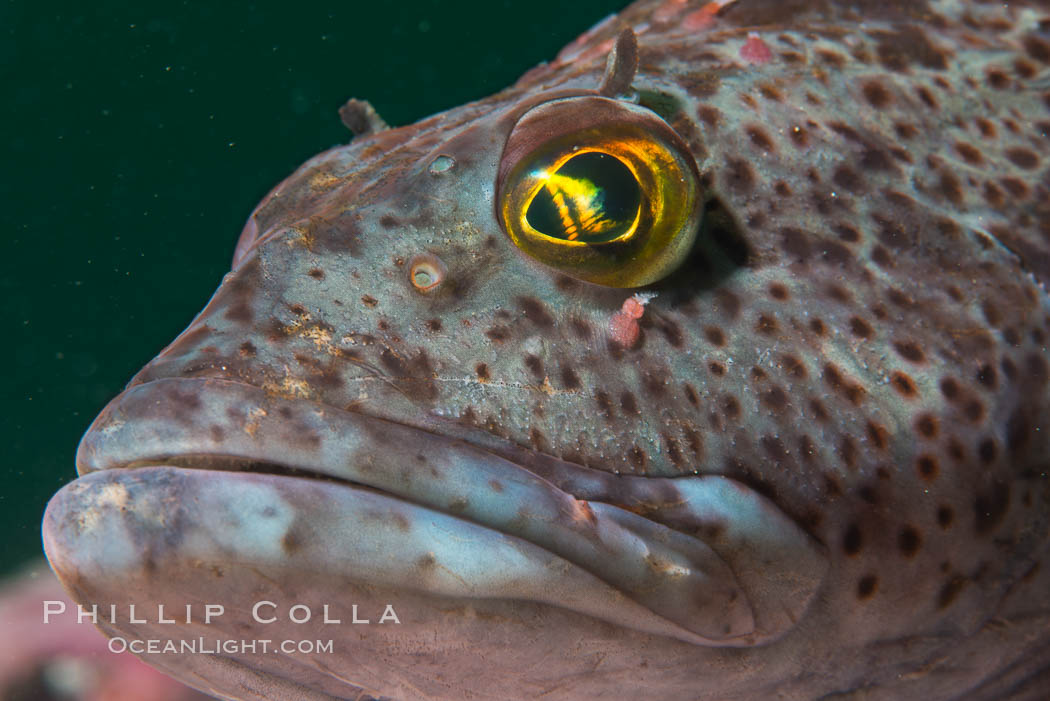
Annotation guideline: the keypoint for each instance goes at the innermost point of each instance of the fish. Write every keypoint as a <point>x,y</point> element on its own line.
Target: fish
<point>706,361</point>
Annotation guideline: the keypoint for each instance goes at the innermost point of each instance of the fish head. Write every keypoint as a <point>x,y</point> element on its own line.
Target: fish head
<point>795,447</point>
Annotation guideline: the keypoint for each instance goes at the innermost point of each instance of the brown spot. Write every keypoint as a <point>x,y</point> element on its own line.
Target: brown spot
<point>927,97</point>
<point>987,451</point>
<point>1022,158</point>
<point>950,188</point>
<point>881,257</point>
<point>316,273</point>
<point>604,404</point>
<point>993,195</point>
<point>969,153</point>
<point>775,398</point>
<point>535,366</point>
<point>836,380</point>
<point>927,467</point>
<point>290,542</point>
<point>637,457</point>
<point>998,79</point>
<point>848,179</point>
<point>766,325</point>
<point>1024,68</point>
<point>866,586</point>
<point>848,451</point>
<point>945,516</point>
<point>569,379</point>
<point>731,406</point>
<point>673,333</point>
<point>793,366</point>
<point>974,410</point>
<point>817,326</point>
<point>759,138</point>
<point>876,94</point>
<point>673,453</point>
<point>535,311</point>
<point>1037,48</point>
<point>782,189</point>
<point>498,333</point>
<point>860,328</point>
<point>878,435</point>
<point>628,403</point>
<point>369,301</point>
<point>832,58</point>
<point>905,130</point>
<point>1015,186</point>
<point>727,303</point>
<point>247,350</point>
<point>709,116</point>
<point>538,440</point>
<point>950,388</point>
<point>950,591</point>
<point>910,351</point>
<point>795,243</point>
<point>715,336</point>
<point>909,541</point>
<point>716,368</point>
<point>927,425</point>
<point>739,176</point>
<point>819,412</point>
<point>770,92</point>
<point>846,232</point>
<point>986,127</point>
<point>482,371</point>
<point>434,325</point>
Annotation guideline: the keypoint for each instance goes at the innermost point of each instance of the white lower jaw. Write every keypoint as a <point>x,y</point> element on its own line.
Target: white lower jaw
<point>271,549</point>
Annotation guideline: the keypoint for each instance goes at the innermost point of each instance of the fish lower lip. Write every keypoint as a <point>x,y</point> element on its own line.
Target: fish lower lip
<point>666,582</point>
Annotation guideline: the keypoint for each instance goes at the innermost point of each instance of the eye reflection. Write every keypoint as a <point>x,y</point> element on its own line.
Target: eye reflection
<point>593,197</point>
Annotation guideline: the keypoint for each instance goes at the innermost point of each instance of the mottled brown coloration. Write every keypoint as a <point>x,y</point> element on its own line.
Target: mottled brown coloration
<point>858,335</point>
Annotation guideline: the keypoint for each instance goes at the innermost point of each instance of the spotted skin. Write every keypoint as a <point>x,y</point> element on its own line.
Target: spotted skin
<point>859,334</point>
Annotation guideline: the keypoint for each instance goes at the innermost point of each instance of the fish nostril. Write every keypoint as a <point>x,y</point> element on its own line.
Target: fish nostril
<point>426,272</point>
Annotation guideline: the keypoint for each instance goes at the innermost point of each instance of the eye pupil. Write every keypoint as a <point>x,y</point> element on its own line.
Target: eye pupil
<point>592,197</point>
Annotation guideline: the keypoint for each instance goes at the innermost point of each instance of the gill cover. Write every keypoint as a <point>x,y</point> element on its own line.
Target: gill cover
<point>600,189</point>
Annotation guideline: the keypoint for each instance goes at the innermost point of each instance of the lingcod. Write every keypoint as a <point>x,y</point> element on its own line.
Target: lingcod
<point>707,361</point>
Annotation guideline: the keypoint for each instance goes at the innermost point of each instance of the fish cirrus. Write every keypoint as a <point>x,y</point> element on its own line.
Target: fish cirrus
<point>706,362</point>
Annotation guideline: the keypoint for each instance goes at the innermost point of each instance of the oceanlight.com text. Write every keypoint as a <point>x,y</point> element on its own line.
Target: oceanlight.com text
<point>214,646</point>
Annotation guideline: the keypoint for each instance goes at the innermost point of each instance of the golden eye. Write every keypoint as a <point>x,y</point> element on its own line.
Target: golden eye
<point>602,190</point>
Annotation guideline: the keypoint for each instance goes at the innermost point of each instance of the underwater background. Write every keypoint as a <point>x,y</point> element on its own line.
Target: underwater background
<point>137,140</point>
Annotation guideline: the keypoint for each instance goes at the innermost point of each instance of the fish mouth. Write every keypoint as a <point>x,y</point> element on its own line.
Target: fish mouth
<point>664,578</point>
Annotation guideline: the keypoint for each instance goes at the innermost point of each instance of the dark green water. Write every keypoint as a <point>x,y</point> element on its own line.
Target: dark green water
<point>136,142</point>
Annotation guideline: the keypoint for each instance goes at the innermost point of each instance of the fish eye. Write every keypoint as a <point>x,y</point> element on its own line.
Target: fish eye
<point>602,190</point>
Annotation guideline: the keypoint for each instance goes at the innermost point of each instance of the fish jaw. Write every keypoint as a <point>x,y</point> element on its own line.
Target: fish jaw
<point>162,536</point>
<point>290,501</point>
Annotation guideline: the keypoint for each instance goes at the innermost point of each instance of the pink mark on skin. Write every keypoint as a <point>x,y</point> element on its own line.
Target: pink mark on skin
<point>623,325</point>
<point>755,50</point>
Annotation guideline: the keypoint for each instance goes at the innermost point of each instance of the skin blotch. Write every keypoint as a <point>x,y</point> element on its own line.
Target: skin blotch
<point>866,587</point>
<point>927,426</point>
<point>927,467</point>
<point>910,351</point>
<point>909,541</point>
<point>876,94</point>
